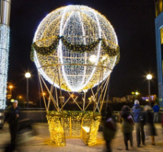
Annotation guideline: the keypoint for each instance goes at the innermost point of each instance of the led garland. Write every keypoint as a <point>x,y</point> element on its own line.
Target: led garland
<point>4,54</point>
<point>80,48</point>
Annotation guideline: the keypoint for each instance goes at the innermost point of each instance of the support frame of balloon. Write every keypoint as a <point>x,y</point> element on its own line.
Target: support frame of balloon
<point>74,124</point>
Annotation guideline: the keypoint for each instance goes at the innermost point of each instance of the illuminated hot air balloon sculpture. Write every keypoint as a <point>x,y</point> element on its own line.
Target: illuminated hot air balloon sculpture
<point>75,48</point>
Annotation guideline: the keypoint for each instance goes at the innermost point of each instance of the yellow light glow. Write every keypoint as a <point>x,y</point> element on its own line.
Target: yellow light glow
<point>11,86</point>
<point>136,93</point>
<point>104,58</point>
<point>20,97</point>
<point>87,129</point>
<point>12,100</point>
<point>44,93</point>
<point>160,6</point>
<point>74,126</point>
<point>161,35</point>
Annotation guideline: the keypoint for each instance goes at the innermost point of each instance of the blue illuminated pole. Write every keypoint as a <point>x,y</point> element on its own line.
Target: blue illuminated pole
<point>5,6</point>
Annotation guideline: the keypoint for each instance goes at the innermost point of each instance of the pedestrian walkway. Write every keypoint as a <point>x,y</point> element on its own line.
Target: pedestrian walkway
<point>41,142</point>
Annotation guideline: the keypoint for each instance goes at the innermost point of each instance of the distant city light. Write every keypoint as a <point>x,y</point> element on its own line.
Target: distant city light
<point>44,93</point>
<point>136,93</point>
<point>20,97</point>
<point>12,100</point>
<point>147,98</point>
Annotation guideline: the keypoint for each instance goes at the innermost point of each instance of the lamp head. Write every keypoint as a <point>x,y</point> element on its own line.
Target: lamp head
<point>27,75</point>
<point>149,77</point>
<point>10,86</point>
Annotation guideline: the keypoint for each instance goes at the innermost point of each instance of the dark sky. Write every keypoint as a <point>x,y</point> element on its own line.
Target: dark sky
<point>133,21</point>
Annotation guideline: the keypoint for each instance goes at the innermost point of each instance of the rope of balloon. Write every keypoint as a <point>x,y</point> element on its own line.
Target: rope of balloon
<point>58,101</point>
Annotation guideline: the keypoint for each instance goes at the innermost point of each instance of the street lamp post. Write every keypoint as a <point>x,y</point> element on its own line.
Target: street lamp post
<point>27,75</point>
<point>149,77</point>
<point>11,87</point>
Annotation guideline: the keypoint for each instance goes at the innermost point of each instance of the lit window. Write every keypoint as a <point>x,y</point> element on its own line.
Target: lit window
<point>160,5</point>
<point>161,35</point>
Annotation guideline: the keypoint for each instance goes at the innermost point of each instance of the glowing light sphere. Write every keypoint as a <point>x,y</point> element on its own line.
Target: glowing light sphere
<point>27,75</point>
<point>75,71</point>
<point>149,77</point>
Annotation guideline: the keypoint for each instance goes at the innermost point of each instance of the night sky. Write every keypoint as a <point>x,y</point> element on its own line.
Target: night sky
<point>133,21</point>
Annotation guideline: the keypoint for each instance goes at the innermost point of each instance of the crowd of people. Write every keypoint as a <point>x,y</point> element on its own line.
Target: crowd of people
<point>137,117</point>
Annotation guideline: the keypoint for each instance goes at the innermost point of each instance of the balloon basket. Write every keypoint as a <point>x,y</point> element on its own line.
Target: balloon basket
<point>73,124</point>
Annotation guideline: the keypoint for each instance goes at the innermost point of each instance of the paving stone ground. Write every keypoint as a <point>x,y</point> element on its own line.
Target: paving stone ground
<point>41,142</point>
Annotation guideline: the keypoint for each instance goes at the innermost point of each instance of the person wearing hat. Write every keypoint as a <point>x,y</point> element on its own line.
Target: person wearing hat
<point>12,118</point>
<point>139,119</point>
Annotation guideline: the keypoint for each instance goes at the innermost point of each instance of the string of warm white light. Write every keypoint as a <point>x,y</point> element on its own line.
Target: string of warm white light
<point>4,53</point>
<point>79,25</point>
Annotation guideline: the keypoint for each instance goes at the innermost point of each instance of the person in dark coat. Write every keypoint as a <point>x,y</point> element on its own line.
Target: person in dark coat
<point>109,129</point>
<point>127,125</point>
<point>12,118</point>
<point>151,131</point>
<point>139,123</point>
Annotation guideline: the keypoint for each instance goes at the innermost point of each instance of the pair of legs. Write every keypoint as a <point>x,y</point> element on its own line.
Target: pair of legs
<point>156,116</point>
<point>151,131</point>
<point>13,133</point>
<point>140,136</point>
<point>128,136</point>
<point>108,146</point>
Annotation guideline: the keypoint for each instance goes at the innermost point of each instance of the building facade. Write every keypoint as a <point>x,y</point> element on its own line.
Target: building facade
<point>159,46</point>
